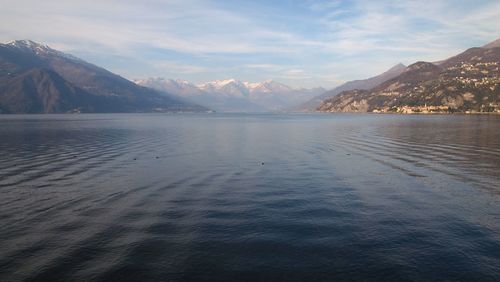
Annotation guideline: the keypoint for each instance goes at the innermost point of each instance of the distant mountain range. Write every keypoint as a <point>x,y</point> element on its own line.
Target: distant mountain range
<point>468,82</point>
<point>232,95</point>
<point>35,78</point>
<point>365,84</point>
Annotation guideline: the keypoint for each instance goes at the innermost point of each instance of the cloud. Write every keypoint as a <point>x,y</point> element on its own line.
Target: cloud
<point>180,68</point>
<point>341,39</point>
<point>295,74</point>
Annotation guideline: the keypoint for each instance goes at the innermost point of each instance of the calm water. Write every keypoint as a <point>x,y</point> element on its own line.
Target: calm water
<point>249,197</point>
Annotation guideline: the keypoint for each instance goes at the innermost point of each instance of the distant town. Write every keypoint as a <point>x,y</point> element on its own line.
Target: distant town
<point>490,108</point>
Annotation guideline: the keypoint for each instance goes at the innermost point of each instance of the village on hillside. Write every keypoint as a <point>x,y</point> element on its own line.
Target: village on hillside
<point>461,77</point>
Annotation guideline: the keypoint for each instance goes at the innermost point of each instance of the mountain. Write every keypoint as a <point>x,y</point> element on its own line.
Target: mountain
<point>467,82</point>
<point>35,78</point>
<point>363,84</point>
<point>222,96</point>
<point>40,90</point>
<point>178,86</point>
<point>268,86</point>
<point>278,96</point>
<point>232,95</point>
<point>492,44</point>
<point>228,87</point>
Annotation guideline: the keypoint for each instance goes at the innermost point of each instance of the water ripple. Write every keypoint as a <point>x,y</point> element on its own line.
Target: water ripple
<point>249,197</point>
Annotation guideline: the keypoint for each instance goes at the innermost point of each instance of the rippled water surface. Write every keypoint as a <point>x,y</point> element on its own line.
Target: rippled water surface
<point>249,197</point>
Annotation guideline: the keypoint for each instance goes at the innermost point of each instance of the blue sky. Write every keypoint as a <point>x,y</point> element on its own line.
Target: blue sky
<point>300,43</point>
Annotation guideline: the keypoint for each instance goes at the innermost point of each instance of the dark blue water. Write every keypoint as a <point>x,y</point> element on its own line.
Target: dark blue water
<point>249,197</point>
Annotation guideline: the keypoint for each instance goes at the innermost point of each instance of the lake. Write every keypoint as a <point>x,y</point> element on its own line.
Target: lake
<point>249,197</point>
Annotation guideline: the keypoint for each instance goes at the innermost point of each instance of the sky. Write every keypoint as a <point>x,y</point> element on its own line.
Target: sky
<point>302,43</point>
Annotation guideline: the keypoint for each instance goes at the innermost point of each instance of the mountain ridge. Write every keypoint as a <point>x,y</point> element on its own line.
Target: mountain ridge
<point>25,62</point>
<point>234,95</point>
<point>492,44</point>
<point>360,84</point>
<point>466,82</point>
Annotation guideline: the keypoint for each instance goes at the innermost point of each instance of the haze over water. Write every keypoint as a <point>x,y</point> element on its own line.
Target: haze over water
<point>249,196</point>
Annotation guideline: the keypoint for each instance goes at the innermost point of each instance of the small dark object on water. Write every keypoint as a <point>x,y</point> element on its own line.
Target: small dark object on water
<point>262,163</point>
<point>348,154</point>
<point>157,157</point>
<point>135,159</point>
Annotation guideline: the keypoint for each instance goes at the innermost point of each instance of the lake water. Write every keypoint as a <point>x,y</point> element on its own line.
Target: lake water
<point>264,197</point>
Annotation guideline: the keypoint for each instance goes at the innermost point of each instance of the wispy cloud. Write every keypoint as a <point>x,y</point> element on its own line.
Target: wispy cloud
<point>266,67</point>
<point>180,68</point>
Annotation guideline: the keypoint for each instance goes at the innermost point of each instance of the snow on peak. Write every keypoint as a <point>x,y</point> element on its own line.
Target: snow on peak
<point>23,42</point>
<point>183,82</point>
<point>235,86</point>
<point>227,87</point>
<point>30,45</point>
<point>226,81</point>
<point>269,85</point>
<point>231,94</point>
<point>221,83</point>
<point>39,49</point>
<point>172,86</point>
<point>251,85</point>
<point>164,82</point>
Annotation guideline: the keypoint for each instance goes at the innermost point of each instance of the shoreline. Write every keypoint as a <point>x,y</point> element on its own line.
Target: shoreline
<point>396,113</point>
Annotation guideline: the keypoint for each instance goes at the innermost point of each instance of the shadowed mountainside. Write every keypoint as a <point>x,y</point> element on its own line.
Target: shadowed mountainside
<point>35,78</point>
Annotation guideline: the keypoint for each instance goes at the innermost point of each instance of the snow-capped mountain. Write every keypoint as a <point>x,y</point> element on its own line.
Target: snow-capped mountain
<point>228,87</point>
<point>39,49</point>
<point>234,95</point>
<point>267,86</point>
<point>35,78</point>
<point>175,86</point>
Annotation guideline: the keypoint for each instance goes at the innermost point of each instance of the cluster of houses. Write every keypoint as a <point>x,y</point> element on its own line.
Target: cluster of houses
<point>415,109</point>
<point>474,67</point>
<point>490,108</point>
<point>483,67</point>
<point>484,81</point>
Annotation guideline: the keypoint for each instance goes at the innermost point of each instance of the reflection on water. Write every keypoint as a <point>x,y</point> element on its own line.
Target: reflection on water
<point>249,197</point>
